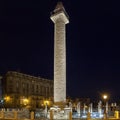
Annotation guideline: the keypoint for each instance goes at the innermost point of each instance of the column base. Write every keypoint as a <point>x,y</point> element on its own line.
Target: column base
<point>60,104</point>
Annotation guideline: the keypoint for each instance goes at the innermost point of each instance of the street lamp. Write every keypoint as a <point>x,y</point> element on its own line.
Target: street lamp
<point>7,98</point>
<point>105,98</point>
<point>7,101</point>
<point>25,101</point>
<point>46,102</point>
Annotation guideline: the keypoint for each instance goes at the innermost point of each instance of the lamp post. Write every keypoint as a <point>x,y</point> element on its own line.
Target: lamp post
<point>105,98</point>
<point>7,101</point>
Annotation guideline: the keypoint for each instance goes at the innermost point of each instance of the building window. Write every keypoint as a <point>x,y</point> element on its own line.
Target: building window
<point>32,88</point>
<point>27,88</point>
<point>17,84</point>
<point>36,88</point>
<point>23,85</point>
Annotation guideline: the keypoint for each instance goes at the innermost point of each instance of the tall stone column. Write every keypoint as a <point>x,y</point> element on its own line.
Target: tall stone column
<point>60,19</point>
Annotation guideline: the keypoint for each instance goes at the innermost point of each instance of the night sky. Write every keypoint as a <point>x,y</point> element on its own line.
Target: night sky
<point>92,43</point>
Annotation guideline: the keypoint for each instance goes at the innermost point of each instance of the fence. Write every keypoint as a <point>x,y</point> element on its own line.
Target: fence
<point>14,114</point>
<point>26,114</point>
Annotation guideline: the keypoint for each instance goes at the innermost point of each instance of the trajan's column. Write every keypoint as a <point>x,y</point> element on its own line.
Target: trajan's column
<point>60,19</point>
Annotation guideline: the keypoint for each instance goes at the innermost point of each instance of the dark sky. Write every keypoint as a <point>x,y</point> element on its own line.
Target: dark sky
<point>92,43</point>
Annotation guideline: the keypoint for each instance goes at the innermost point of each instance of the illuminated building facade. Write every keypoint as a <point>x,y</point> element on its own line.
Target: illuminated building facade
<point>21,90</point>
